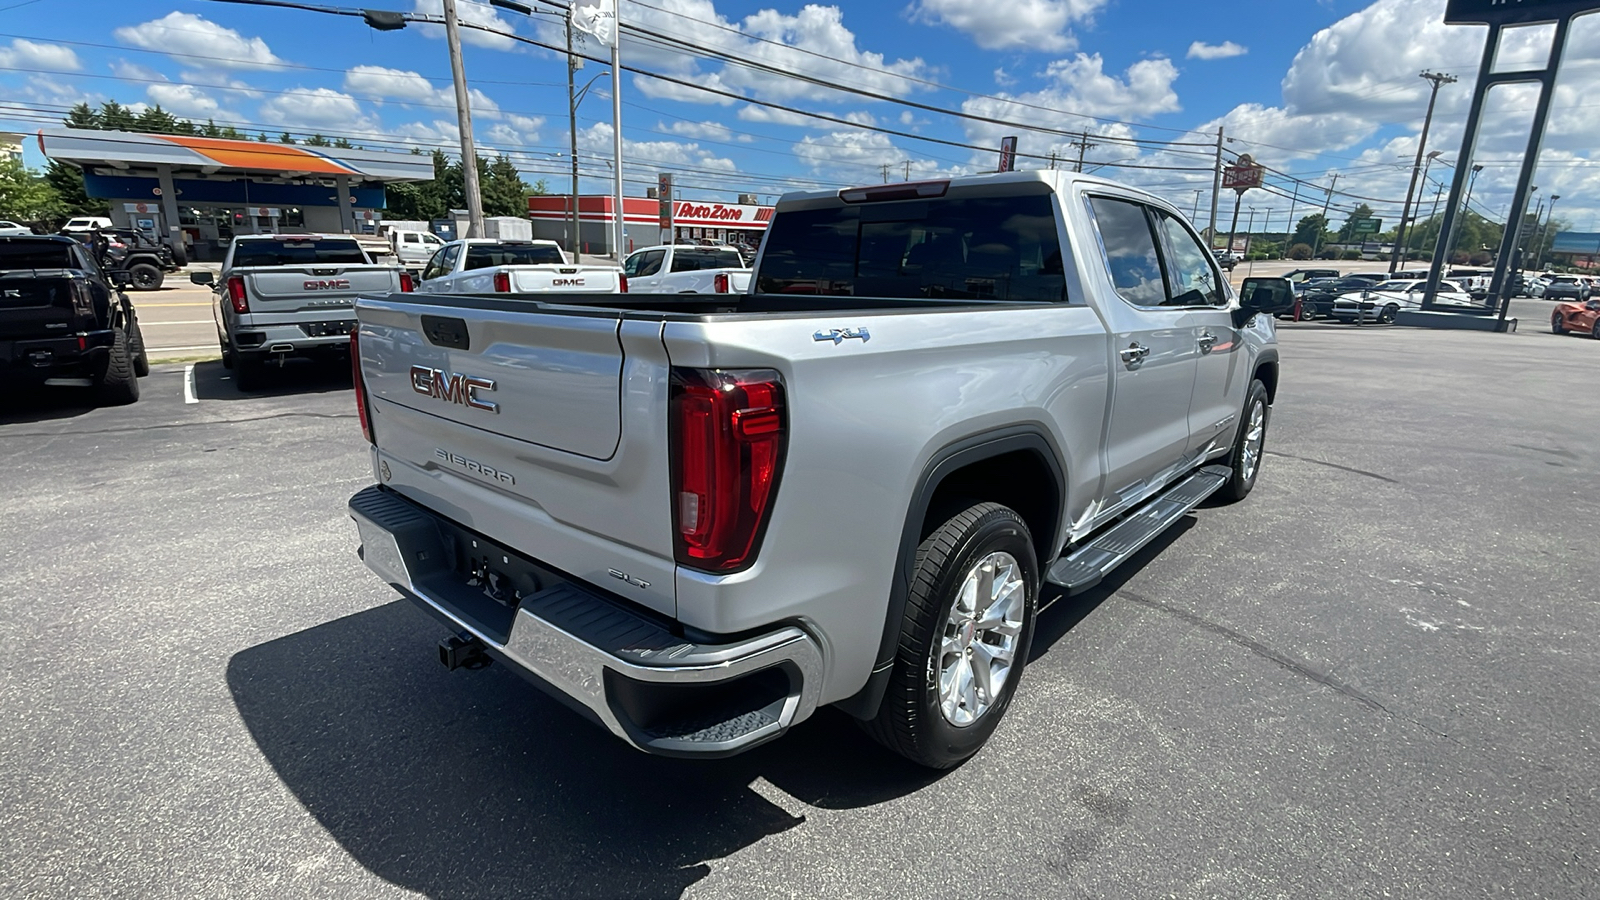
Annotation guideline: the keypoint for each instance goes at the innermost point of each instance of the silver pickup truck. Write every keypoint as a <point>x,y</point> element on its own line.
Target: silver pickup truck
<point>283,296</point>
<point>696,519</point>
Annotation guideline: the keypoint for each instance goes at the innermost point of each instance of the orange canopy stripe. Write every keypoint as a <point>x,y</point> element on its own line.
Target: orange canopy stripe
<point>258,155</point>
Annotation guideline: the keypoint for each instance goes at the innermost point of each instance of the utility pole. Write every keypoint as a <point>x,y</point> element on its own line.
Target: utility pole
<point>1083,144</point>
<point>469,153</point>
<point>885,173</point>
<point>908,170</point>
<point>1437,80</point>
<point>1216,189</point>
<point>1544,234</point>
<point>1266,218</point>
<point>1249,232</point>
<point>1466,207</point>
<point>572,130</point>
<point>1196,213</point>
<point>1052,160</point>
<point>1290,226</point>
<point>1327,201</point>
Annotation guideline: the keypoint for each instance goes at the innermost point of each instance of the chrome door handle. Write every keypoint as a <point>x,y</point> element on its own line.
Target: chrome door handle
<point>1135,353</point>
<point>1207,339</point>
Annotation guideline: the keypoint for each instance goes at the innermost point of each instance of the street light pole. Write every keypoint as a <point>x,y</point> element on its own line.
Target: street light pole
<point>469,153</point>
<point>1437,80</point>
<point>1326,202</point>
<point>1544,233</point>
<point>576,243</point>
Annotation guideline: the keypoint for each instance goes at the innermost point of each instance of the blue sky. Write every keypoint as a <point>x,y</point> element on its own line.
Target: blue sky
<point>1311,88</point>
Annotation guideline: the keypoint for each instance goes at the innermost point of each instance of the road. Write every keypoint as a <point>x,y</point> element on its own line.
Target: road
<point>176,319</point>
<point>1373,677</point>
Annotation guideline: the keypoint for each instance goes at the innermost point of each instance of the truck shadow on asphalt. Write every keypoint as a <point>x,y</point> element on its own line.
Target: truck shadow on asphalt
<point>44,405</point>
<point>476,784</point>
<point>297,376</point>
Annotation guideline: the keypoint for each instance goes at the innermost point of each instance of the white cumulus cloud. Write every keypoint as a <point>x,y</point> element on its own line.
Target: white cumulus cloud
<point>313,109</point>
<point>187,36</point>
<point>1017,25</point>
<point>25,54</point>
<point>1224,50</point>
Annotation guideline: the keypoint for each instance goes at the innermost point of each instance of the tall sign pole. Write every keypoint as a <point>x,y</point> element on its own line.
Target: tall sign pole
<point>600,20</point>
<point>1498,15</point>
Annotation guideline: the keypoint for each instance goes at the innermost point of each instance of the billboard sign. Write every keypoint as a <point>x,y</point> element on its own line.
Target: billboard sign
<point>1243,175</point>
<point>1366,226</point>
<point>1008,154</point>
<point>1514,12</point>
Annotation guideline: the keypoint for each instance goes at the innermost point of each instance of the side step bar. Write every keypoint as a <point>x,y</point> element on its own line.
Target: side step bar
<point>1084,567</point>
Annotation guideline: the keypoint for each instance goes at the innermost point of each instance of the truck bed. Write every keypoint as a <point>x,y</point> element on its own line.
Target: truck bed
<point>694,305</point>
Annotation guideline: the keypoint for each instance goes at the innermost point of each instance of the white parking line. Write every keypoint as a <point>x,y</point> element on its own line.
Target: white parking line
<point>184,322</point>
<point>175,349</point>
<point>188,384</point>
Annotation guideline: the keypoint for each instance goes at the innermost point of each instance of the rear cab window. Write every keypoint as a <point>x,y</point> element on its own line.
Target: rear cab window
<point>972,246</point>
<point>691,260</point>
<point>313,252</point>
<point>485,256</point>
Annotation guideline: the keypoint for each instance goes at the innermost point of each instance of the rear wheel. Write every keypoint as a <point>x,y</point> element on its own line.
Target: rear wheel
<point>1387,316</point>
<point>1558,325</point>
<point>118,384</point>
<point>146,277</point>
<point>1594,331</point>
<point>964,637</point>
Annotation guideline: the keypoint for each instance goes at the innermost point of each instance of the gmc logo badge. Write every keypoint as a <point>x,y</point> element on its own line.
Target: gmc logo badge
<point>338,284</point>
<point>566,282</point>
<point>452,387</point>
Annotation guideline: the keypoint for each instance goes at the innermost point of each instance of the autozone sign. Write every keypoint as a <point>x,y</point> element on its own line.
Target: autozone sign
<point>715,212</point>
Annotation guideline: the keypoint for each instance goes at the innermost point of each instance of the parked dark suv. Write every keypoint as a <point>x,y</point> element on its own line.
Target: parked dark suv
<point>64,323</point>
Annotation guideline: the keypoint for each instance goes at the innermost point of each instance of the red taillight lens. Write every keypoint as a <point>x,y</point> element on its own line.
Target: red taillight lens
<point>407,285</point>
<point>360,385</point>
<point>502,282</point>
<point>720,283</point>
<point>236,294</point>
<point>727,435</point>
<point>623,279</point>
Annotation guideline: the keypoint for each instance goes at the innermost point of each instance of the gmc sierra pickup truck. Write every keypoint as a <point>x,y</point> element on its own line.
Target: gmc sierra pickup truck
<point>489,266</point>
<point>283,296</point>
<point>696,519</point>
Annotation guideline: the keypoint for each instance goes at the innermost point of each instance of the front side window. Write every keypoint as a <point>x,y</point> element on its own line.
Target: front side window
<point>1130,251</point>
<point>435,266</point>
<point>978,248</point>
<point>1191,279</point>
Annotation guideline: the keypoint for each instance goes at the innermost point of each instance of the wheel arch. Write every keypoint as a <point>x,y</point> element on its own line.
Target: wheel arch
<point>1266,372</point>
<point>999,466</point>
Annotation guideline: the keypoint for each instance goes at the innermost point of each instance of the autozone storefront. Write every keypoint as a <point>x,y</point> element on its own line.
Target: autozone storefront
<point>692,220</point>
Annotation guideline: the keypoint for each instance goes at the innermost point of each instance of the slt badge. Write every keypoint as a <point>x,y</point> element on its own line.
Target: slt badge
<point>839,335</point>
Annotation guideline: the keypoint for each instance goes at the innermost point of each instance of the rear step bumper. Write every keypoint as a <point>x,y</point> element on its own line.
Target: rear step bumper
<point>661,693</point>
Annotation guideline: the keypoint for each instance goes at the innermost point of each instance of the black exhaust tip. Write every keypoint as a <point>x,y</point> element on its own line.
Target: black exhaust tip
<point>463,651</point>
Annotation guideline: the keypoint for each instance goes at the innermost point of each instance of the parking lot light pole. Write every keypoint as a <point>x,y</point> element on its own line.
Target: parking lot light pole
<point>1544,239</point>
<point>1437,79</point>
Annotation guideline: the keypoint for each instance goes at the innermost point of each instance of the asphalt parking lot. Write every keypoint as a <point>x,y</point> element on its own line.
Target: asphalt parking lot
<point>1375,677</point>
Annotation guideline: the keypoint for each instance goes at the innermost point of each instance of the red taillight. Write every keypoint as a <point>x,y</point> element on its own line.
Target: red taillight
<point>720,283</point>
<point>407,285</point>
<point>727,435</point>
<point>360,384</point>
<point>623,279</point>
<point>236,294</point>
<point>502,282</point>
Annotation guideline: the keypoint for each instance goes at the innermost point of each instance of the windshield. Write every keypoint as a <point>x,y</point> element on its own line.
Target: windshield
<point>988,248</point>
<point>483,256</point>
<point>297,253</point>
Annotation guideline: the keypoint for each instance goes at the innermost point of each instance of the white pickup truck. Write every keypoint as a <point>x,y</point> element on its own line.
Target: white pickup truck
<point>414,248</point>
<point>291,295</point>
<point>696,519</point>
<point>686,269</point>
<point>488,266</point>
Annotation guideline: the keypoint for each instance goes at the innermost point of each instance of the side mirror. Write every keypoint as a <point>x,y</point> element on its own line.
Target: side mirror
<point>1263,295</point>
<point>202,277</point>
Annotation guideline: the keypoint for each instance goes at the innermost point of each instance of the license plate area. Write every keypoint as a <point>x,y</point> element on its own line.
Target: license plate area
<point>328,329</point>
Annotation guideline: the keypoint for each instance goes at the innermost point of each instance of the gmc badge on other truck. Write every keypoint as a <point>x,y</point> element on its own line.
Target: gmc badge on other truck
<point>452,387</point>
<point>340,284</point>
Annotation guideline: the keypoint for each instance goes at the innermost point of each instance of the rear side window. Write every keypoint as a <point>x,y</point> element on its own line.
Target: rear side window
<point>981,248</point>
<point>297,253</point>
<point>1130,250</point>
<point>484,256</point>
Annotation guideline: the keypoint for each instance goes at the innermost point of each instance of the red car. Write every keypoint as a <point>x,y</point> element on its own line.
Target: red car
<point>1580,317</point>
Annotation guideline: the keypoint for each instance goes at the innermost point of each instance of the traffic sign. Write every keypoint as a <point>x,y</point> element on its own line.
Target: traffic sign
<point>1366,226</point>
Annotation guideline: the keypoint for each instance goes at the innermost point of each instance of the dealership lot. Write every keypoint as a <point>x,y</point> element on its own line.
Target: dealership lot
<point>1375,675</point>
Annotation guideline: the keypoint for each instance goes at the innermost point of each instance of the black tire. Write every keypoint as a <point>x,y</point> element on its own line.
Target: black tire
<point>180,255</point>
<point>146,277</point>
<point>1246,470</point>
<point>1594,331</point>
<point>1557,325</point>
<point>1387,316</point>
<point>141,359</point>
<point>910,720</point>
<point>118,385</point>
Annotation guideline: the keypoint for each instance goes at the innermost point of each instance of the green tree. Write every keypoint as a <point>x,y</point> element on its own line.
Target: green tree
<point>83,116</point>
<point>24,195</point>
<point>156,120</point>
<point>113,116</point>
<point>317,140</point>
<point>504,191</point>
<point>1310,230</point>
<point>285,138</point>
<point>72,198</point>
<point>1346,234</point>
<point>343,144</point>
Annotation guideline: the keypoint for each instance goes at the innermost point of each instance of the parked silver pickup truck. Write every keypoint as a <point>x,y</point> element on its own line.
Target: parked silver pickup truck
<point>291,295</point>
<point>696,520</point>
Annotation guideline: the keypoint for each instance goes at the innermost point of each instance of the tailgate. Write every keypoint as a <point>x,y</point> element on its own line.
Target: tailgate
<point>543,430</point>
<point>36,304</point>
<point>309,288</point>
<point>583,279</point>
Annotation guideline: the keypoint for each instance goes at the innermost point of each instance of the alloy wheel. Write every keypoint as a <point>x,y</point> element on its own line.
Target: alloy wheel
<point>978,649</point>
